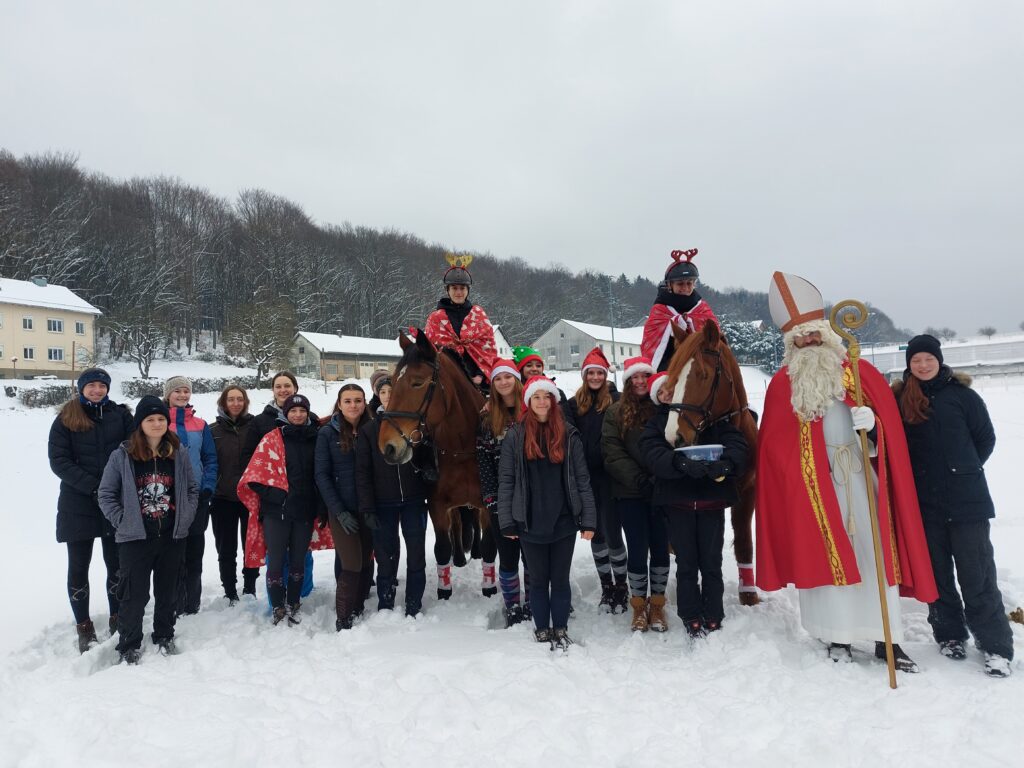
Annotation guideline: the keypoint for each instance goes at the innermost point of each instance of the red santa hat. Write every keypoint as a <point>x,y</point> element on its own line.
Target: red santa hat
<point>539,384</point>
<point>794,301</point>
<point>505,366</point>
<point>595,359</point>
<point>636,365</point>
<point>654,384</point>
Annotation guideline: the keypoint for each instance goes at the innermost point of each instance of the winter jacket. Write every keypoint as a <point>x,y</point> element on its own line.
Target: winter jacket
<point>673,488</point>
<point>623,460</point>
<point>302,500</point>
<point>197,439</point>
<point>269,419</point>
<point>335,469</point>
<point>488,454</point>
<point>78,459</point>
<point>513,490</point>
<point>378,482</point>
<point>119,498</point>
<point>589,426</point>
<point>229,440</point>
<point>948,450</point>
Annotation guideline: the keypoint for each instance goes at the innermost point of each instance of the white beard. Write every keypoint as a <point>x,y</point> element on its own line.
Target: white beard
<point>816,378</point>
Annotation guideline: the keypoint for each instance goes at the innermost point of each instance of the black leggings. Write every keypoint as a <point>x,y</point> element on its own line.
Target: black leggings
<point>293,536</point>
<point>79,560</point>
<point>550,594</point>
<point>228,517</point>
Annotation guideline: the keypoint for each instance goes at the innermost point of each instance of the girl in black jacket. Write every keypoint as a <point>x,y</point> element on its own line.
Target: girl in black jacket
<point>544,498</point>
<point>585,411</point>
<point>88,429</point>
<point>950,436</point>
<point>336,480</point>
<point>693,495</point>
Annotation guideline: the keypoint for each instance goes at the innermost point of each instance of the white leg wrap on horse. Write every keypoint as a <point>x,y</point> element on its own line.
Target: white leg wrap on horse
<point>746,577</point>
<point>444,577</point>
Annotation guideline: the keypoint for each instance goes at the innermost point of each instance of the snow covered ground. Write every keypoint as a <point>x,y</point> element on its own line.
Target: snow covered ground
<point>451,689</point>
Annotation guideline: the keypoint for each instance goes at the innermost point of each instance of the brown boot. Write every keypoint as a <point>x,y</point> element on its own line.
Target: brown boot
<point>86,636</point>
<point>639,605</point>
<point>656,618</point>
<point>346,599</point>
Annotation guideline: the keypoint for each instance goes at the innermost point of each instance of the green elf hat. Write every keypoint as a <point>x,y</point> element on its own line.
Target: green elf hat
<point>523,355</point>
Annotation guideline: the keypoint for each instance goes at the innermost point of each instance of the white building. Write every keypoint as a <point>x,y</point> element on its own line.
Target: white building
<point>1001,355</point>
<point>331,357</point>
<point>564,345</point>
<point>504,348</point>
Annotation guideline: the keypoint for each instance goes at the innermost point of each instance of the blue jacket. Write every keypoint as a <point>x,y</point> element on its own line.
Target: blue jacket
<point>197,439</point>
<point>335,470</point>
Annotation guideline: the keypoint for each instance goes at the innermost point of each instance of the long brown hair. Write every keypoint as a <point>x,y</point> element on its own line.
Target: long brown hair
<point>346,432</point>
<point>585,398</point>
<point>139,449</point>
<point>73,416</point>
<point>499,418</point>
<point>913,402</point>
<point>552,433</point>
<point>634,410</point>
<point>222,401</point>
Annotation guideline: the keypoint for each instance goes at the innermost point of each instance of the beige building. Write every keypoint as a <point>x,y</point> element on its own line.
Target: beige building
<point>331,358</point>
<point>45,330</point>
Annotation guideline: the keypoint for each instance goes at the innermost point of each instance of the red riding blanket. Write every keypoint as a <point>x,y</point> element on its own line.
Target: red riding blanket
<point>477,336</point>
<point>267,467</point>
<point>658,327</point>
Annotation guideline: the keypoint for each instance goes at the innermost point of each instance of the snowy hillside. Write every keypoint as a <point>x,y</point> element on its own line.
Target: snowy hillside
<point>451,689</point>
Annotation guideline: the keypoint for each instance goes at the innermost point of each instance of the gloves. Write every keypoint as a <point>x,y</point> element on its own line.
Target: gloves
<point>346,520</point>
<point>688,467</point>
<point>719,470</point>
<point>645,484</point>
<point>863,418</point>
<point>370,518</point>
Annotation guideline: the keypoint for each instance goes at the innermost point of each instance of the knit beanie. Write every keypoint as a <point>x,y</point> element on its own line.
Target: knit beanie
<point>148,406</point>
<point>523,355</point>
<point>174,382</point>
<point>924,343</point>
<point>94,374</point>
<point>378,379</point>
<point>295,401</point>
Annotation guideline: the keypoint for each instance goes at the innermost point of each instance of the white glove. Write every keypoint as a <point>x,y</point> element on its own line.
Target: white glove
<point>863,418</point>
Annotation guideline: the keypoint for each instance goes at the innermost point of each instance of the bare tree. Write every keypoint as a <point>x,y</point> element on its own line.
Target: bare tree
<point>987,331</point>
<point>946,334</point>
<point>262,333</point>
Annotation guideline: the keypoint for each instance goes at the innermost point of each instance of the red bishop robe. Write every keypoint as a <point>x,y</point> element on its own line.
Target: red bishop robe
<point>801,538</point>
<point>477,336</point>
<point>267,467</point>
<point>658,327</point>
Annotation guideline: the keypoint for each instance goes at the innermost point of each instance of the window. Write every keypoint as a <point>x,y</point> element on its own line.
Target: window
<point>622,351</point>
<point>1,354</point>
<point>332,369</point>
<point>349,369</point>
<point>28,353</point>
<point>80,328</point>
<point>55,354</point>
<point>574,349</point>
<point>1,319</point>
<point>26,323</point>
<point>54,326</point>
<point>551,351</point>
<point>302,350</point>
<point>561,335</point>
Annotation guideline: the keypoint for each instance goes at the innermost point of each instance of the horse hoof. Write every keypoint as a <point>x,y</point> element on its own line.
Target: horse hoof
<point>749,598</point>
<point>489,591</point>
<point>444,594</point>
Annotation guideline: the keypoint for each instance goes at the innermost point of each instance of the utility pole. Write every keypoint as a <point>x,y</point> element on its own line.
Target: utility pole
<point>611,317</point>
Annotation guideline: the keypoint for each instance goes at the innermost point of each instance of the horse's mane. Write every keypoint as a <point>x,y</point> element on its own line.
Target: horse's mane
<point>689,349</point>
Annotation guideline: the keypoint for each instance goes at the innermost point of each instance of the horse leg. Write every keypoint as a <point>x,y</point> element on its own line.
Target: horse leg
<point>456,538</point>
<point>470,521</point>
<point>442,551</point>
<point>488,551</point>
<point>743,544</point>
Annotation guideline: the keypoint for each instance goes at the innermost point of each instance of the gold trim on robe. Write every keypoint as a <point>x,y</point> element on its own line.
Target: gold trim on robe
<point>810,475</point>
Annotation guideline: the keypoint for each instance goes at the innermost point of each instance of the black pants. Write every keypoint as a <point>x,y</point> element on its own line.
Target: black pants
<point>967,547</point>
<point>550,594</point>
<point>697,539</point>
<point>228,518</point>
<point>158,558</point>
<point>292,536</point>
<point>647,543</point>
<point>190,579</point>
<point>79,560</point>
<point>411,517</point>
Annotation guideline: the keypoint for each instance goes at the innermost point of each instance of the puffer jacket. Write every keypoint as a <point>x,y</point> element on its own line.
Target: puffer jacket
<point>269,418</point>
<point>196,437</point>
<point>948,451</point>
<point>513,483</point>
<point>119,498</point>
<point>623,460</point>
<point>336,469</point>
<point>78,459</point>
<point>229,438</point>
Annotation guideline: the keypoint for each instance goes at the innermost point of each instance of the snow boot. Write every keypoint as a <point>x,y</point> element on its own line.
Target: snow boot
<point>695,629</point>
<point>489,584</point>
<point>166,646</point>
<point>346,595</point>
<point>513,615</point>
<point>840,653</point>
<point>527,610</point>
<point>112,624</point>
<point>639,622</point>
<point>131,656</point>
<point>656,618</point>
<point>903,662</point>
<point>953,649</point>
<point>620,597</point>
<point>607,596</point>
<point>542,635</point>
<point>279,614</point>
<point>86,635</point>
<point>560,640</point>
<point>996,665</point>
<point>712,625</point>
<point>340,624</point>
<point>293,614</point>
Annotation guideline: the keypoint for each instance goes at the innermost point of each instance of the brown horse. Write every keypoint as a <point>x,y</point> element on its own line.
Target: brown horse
<point>434,412</point>
<point>707,388</point>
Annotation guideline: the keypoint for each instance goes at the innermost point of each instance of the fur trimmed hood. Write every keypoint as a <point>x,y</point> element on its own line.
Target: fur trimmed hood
<point>946,372</point>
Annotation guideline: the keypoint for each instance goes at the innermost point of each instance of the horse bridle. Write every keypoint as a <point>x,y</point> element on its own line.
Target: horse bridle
<point>420,414</point>
<point>707,418</point>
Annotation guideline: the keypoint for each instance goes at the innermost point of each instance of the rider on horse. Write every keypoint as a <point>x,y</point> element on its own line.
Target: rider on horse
<point>460,327</point>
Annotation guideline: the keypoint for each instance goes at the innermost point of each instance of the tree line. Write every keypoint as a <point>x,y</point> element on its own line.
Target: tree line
<point>165,260</point>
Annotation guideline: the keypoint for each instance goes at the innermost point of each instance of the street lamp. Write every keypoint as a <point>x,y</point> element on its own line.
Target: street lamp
<point>14,362</point>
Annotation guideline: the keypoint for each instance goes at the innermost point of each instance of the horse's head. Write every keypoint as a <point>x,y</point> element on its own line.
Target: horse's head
<point>705,381</point>
<point>414,399</point>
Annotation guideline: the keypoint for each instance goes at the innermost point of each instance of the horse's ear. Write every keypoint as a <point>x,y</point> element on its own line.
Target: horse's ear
<point>404,341</point>
<point>712,335</point>
<point>424,346</point>
<point>679,333</point>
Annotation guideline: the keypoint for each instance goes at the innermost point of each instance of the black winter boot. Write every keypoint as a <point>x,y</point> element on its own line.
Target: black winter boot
<point>903,662</point>
<point>607,596</point>
<point>620,598</point>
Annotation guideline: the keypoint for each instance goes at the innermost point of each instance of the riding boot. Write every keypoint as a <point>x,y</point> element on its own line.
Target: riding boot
<point>346,596</point>
<point>86,635</point>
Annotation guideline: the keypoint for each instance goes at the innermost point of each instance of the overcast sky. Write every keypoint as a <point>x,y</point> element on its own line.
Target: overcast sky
<point>874,148</point>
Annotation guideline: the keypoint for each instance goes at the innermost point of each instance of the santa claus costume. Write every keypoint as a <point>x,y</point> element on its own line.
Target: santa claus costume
<point>813,523</point>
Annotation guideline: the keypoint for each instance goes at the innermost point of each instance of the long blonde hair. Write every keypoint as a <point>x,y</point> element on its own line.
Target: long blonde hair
<point>585,398</point>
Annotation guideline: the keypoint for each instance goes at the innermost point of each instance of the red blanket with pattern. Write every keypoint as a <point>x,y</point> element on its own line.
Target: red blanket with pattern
<point>267,467</point>
<point>477,336</point>
<point>658,327</point>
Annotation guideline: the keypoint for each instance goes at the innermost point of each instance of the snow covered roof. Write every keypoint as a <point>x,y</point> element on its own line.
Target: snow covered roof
<point>29,294</point>
<point>352,345</point>
<point>604,332</point>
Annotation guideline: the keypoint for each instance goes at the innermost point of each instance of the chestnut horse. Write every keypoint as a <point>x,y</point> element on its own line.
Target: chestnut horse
<point>434,409</point>
<point>707,388</point>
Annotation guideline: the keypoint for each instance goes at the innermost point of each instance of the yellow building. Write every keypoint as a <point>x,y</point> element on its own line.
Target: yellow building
<point>45,330</point>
